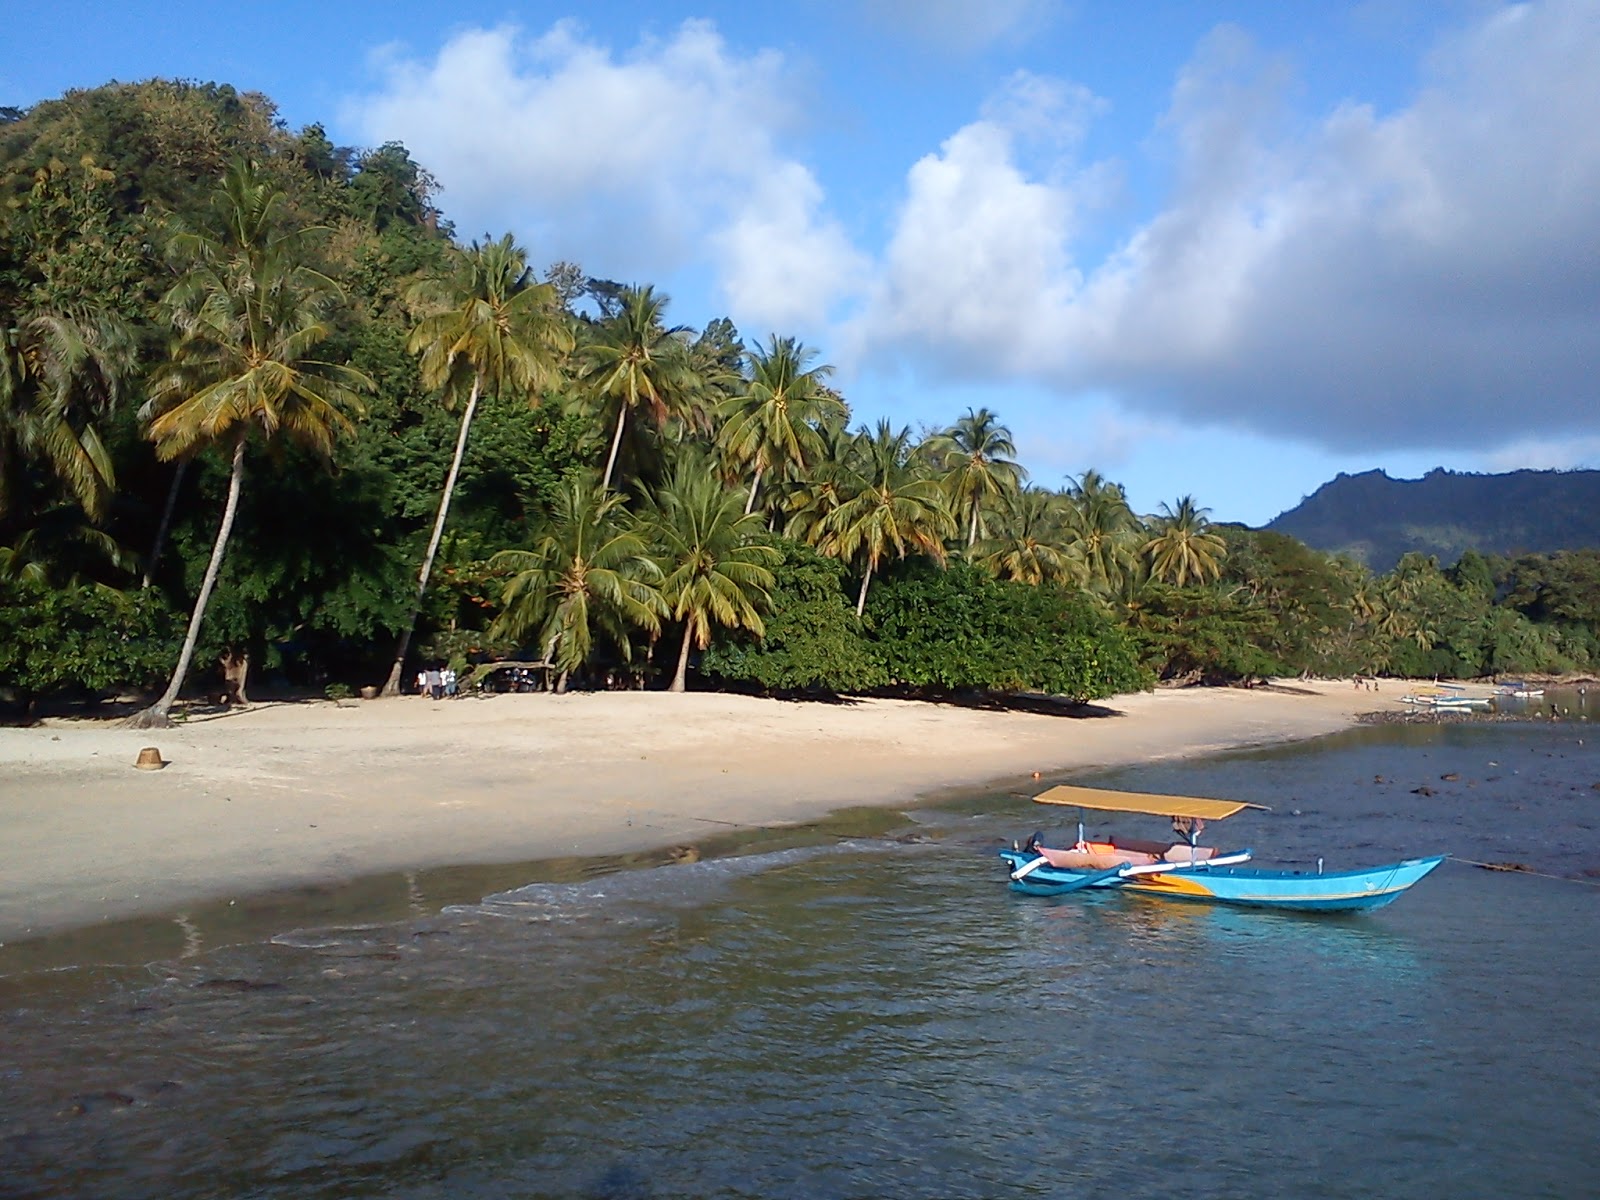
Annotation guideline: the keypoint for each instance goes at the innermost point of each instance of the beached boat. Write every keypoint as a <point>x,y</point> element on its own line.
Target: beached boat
<point>1519,689</point>
<point>1188,871</point>
<point>1445,696</point>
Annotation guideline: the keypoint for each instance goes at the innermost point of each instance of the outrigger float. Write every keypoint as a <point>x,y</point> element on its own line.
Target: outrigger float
<point>1188,871</point>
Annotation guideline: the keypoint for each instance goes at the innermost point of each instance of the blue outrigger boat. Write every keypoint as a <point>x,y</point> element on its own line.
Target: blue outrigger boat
<point>1187,870</point>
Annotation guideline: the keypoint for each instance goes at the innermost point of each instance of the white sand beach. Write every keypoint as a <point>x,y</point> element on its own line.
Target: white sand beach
<point>293,793</point>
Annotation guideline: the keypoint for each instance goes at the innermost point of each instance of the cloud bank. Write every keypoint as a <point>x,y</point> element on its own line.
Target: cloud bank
<point>1427,277</point>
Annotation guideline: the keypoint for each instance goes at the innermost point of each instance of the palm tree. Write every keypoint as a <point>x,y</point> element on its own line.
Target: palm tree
<point>1104,530</point>
<point>249,313</point>
<point>637,363</point>
<point>889,505</point>
<point>57,375</point>
<point>590,572</point>
<point>773,425</point>
<point>1032,544</point>
<point>713,573</point>
<point>975,454</point>
<point>1182,547</point>
<point>810,500</point>
<point>492,327</point>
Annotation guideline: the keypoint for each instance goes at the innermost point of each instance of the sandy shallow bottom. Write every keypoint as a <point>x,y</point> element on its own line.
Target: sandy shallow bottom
<point>287,794</point>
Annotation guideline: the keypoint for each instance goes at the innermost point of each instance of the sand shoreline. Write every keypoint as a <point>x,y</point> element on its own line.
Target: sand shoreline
<point>281,795</point>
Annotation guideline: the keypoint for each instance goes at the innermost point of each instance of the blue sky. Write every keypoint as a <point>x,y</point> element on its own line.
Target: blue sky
<point>1225,250</point>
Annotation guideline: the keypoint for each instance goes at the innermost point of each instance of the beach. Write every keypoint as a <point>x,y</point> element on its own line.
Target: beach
<point>286,794</point>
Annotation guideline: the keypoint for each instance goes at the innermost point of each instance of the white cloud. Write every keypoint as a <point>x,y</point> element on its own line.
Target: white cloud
<point>978,269</point>
<point>1535,454</point>
<point>630,165</point>
<point>1427,277</point>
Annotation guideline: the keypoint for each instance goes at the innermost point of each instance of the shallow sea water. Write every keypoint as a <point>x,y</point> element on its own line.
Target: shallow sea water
<point>879,1016</point>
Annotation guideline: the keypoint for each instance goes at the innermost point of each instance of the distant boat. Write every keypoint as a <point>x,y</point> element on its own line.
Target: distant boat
<point>1188,871</point>
<point>1444,696</point>
<point>1518,688</point>
<point>1460,702</point>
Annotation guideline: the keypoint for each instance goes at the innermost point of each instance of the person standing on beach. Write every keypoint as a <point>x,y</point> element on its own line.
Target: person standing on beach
<point>435,683</point>
<point>449,677</point>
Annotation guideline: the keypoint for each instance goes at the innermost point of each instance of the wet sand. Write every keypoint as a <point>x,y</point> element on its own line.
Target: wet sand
<point>282,795</point>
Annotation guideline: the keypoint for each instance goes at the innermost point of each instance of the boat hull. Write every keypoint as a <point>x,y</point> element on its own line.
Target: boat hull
<point>1252,887</point>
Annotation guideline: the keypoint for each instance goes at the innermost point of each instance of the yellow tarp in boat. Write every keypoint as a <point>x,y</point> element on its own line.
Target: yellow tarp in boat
<point>1143,802</point>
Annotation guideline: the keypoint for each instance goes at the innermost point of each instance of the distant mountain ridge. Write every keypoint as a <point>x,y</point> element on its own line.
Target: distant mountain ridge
<point>1376,519</point>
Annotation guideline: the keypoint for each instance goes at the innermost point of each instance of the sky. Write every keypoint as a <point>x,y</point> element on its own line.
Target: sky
<point>1223,250</point>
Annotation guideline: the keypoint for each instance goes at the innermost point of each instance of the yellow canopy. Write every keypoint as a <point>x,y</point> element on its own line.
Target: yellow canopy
<point>1143,802</point>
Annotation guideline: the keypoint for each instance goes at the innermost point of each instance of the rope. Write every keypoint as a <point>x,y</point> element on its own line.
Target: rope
<point>1522,870</point>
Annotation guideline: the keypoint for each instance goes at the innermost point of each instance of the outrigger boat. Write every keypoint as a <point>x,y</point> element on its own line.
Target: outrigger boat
<point>1188,871</point>
<point>1519,689</point>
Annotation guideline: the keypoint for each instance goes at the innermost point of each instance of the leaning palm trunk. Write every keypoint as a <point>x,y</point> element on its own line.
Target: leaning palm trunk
<point>972,528</point>
<point>166,524</point>
<point>750,502</point>
<point>616,444</point>
<point>680,677</point>
<point>155,717</point>
<point>861,600</point>
<point>391,686</point>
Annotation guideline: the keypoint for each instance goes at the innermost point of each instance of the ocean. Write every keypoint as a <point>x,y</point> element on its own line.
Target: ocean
<point>862,1009</point>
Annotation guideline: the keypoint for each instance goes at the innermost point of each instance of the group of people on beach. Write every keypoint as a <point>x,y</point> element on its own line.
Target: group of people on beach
<point>439,683</point>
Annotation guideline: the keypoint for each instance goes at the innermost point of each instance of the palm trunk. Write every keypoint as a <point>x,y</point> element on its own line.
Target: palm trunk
<point>155,717</point>
<point>681,676</point>
<point>861,600</point>
<point>391,686</point>
<point>166,524</point>
<point>616,444</point>
<point>972,530</point>
<point>750,502</point>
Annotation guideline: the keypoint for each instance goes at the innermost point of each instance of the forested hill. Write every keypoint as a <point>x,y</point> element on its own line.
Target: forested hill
<point>1375,519</point>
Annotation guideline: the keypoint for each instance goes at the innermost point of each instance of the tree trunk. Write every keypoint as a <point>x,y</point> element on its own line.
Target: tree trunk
<point>166,523</point>
<point>750,503</point>
<point>155,717</point>
<point>616,444</point>
<point>681,675</point>
<point>391,686</point>
<point>972,529</point>
<point>861,600</point>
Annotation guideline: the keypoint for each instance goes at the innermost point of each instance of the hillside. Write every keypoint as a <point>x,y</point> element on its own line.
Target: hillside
<point>1376,519</point>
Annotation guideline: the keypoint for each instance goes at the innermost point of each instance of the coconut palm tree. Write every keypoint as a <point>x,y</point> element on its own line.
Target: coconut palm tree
<point>249,313</point>
<point>1105,532</point>
<point>1031,543</point>
<point>1182,549</point>
<point>976,456</point>
<point>638,364</point>
<point>773,425</point>
<point>57,376</point>
<point>888,505</point>
<point>490,326</point>
<point>713,572</point>
<point>590,572</point>
<point>810,500</point>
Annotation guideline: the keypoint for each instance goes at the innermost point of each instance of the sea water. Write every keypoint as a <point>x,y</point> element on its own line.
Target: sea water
<point>879,1016</point>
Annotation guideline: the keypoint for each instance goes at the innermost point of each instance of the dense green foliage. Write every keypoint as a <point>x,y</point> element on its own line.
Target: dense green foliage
<point>81,640</point>
<point>813,641</point>
<point>461,417</point>
<point>961,629</point>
